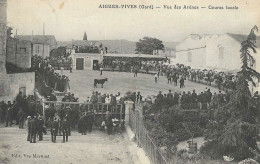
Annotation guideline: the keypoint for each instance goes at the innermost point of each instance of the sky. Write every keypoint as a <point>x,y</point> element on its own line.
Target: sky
<point>69,19</point>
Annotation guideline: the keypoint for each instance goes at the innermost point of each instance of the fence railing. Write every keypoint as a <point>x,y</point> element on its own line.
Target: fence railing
<point>143,138</point>
<point>99,109</point>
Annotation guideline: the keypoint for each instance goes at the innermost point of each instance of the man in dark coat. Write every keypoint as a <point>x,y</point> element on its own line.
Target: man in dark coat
<point>29,118</point>
<point>9,114</point>
<point>204,100</point>
<point>20,116</point>
<point>159,99</point>
<point>54,129</point>
<point>3,107</point>
<point>65,129</point>
<point>109,123</point>
<point>194,97</point>
<point>33,129</point>
<point>83,124</point>
<point>113,102</point>
<point>182,82</point>
<point>139,97</point>
<point>40,128</point>
<point>209,97</point>
<point>90,121</point>
<point>19,99</point>
<point>176,98</point>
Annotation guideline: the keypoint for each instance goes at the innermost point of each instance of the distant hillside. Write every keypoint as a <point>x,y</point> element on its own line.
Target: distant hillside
<point>118,46</point>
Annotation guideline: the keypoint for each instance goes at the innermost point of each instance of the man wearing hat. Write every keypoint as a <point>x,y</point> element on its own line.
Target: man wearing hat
<point>89,121</point>
<point>83,124</point>
<point>139,97</point>
<point>159,99</point>
<point>54,129</point>
<point>65,129</point>
<point>40,129</point>
<point>9,114</point>
<point>29,118</point>
<point>20,116</point>
<point>33,129</point>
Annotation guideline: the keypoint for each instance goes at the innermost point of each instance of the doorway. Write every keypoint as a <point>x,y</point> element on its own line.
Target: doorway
<point>95,65</point>
<point>79,63</point>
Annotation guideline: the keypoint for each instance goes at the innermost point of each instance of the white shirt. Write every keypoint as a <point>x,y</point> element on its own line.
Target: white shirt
<point>107,100</point>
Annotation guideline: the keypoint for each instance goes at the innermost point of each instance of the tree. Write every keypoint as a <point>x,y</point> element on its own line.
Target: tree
<point>235,129</point>
<point>147,45</point>
<point>58,52</point>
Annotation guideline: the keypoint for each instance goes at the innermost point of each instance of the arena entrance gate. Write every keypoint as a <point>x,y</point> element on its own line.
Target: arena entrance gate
<point>76,109</point>
<point>79,63</point>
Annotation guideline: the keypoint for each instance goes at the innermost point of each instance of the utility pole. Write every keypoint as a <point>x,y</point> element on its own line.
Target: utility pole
<point>43,29</point>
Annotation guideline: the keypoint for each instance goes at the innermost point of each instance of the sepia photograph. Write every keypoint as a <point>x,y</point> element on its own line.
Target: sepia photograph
<point>129,82</point>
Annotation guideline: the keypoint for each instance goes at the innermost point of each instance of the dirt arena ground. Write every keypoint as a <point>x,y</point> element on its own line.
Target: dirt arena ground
<point>94,148</point>
<point>82,84</point>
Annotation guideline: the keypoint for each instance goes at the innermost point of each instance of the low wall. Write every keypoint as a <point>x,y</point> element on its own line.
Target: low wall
<point>18,81</point>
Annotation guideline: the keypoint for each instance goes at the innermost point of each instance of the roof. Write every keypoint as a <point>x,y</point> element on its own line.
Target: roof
<point>43,39</point>
<point>237,37</point>
<point>240,38</point>
<point>134,55</point>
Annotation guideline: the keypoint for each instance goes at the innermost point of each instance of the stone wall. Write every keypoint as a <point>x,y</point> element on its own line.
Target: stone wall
<point>20,81</point>
<point>18,52</point>
<point>2,35</point>
<point>4,87</point>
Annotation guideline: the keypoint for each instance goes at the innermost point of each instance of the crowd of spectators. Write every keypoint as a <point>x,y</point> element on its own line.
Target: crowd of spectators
<point>222,80</point>
<point>69,98</point>
<point>18,110</point>
<point>90,49</point>
<point>60,62</point>
<point>191,100</point>
<point>128,64</point>
<point>50,79</point>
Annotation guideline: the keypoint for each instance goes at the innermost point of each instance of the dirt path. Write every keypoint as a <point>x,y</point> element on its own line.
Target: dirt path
<point>95,148</point>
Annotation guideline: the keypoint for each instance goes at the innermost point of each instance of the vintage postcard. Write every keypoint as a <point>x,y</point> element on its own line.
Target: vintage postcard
<point>129,81</point>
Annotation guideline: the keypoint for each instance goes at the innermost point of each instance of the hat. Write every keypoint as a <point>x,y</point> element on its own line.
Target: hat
<point>29,117</point>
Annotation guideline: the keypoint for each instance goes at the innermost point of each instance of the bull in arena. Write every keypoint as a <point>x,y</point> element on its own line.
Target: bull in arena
<point>99,81</point>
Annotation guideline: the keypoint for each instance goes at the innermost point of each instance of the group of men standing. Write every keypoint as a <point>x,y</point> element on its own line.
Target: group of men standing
<point>65,128</point>
<point>173,77</point>
<point>18,110</point>
<point>86,122</point>
<point>35,127</point>
<point>190,100</point>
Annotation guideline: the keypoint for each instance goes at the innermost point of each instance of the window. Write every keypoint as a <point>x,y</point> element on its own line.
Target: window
<point>23,50</point>
<point>37,49</point>
<point>23,90</point>
<point>221,52</point>
<point>189,56</point>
